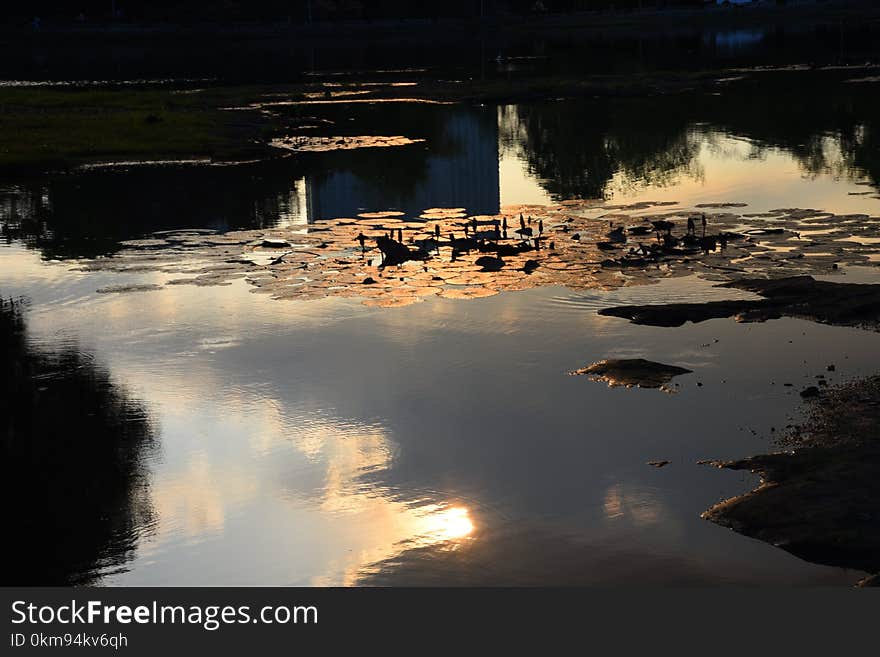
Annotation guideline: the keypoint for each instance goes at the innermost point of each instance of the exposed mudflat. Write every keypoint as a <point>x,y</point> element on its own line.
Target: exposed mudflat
<point>820,501</point>
<point>803,297</point>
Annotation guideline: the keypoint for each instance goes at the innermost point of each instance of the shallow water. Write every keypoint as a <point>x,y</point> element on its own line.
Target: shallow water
<point>325,442</point>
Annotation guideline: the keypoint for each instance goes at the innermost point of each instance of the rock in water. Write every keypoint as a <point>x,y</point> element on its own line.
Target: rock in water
<point>631,372</point>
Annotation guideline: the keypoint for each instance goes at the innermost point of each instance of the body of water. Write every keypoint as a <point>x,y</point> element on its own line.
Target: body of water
<point>214,436</point>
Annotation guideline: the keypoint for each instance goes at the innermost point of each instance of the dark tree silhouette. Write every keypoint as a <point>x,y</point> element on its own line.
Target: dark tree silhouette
<point>73,446</point>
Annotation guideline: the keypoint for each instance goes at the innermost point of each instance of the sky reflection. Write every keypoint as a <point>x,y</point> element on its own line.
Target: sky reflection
<point>326,442</point>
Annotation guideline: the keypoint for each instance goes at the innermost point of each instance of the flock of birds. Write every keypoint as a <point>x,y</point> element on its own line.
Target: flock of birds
<point>493,236</point>
<point>667,243</point>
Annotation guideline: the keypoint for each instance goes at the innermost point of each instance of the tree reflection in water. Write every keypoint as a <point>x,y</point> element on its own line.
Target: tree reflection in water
<point>585,149</point>
<point>73,465</point>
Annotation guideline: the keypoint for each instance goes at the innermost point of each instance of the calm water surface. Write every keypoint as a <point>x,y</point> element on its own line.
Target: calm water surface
<point>324,442</point>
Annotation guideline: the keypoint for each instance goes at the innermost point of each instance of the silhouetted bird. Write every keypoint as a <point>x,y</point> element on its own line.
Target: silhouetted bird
<point>530,266</point>
<point>669,241</point>
<point>663,226</point>
<point>690,240</point>
<point>465,244</point>
<point>394,253</point>
<point>616,235</point>
<point>650,250</point>
<point>427,245</point>
<point>487,235</point>
<point>523,232</point>
<point>489,263</point>
<point>640,230</point>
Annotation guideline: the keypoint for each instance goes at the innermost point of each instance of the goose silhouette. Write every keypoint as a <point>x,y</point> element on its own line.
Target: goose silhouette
<point>616,234</point>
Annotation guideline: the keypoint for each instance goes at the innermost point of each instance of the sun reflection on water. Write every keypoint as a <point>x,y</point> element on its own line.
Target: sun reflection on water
<point>439,524</point>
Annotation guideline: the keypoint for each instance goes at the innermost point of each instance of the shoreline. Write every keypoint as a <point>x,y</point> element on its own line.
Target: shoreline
<point>819,500</point>
<point>63,126</point>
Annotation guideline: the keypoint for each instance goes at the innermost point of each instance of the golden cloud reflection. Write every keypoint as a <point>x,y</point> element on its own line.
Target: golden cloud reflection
<point>321,490</point>
<point>444,525</point>
<point>320,476</point>
<point>376,524</point>
<point>637,507</point>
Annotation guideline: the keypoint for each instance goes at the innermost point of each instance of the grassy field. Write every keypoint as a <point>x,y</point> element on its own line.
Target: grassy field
<point>54,126</point>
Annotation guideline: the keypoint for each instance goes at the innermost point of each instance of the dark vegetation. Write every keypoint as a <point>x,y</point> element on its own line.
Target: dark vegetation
<point>72,462</point>
<point>58,126</point>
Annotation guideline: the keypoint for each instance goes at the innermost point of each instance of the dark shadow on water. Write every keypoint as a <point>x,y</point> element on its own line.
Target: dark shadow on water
<point>74,444</point>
